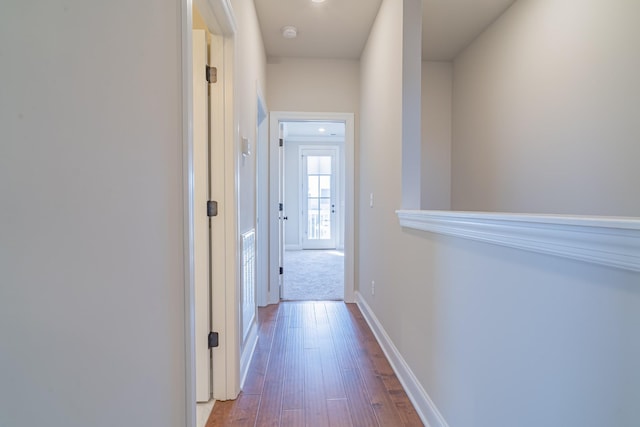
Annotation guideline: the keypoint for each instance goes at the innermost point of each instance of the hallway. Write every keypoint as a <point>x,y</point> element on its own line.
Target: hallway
<point>317,364</point>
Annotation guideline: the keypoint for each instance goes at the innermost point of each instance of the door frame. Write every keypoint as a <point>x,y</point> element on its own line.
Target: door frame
<point>275,118</point>
<point>219,18</point>
<point>262,200</point>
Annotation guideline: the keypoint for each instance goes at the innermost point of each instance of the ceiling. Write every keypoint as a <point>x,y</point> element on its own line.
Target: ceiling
<point>339,28</point>
<point>448,26</point>
<point>314,129</point>
<point>333,29</point>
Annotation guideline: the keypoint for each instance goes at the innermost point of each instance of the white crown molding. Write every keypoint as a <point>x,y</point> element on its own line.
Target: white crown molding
<point>609,241</point>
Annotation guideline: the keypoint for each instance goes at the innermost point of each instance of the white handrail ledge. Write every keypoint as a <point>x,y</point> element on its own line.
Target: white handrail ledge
<point>609,241</point>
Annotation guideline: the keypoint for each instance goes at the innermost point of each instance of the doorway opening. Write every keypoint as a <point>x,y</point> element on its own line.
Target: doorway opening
<point>313,213</point>
<point>312,190</point>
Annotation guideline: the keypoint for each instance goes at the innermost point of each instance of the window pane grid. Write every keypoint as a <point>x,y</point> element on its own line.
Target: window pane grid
<point>319,170</point>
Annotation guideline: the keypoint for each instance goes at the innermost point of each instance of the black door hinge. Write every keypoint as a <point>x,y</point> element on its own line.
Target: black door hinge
<point>280,207</point>
<point>213,339</point>
<point>281,142</point>
<point>212,208</point>
<point>212,74</point>
<point>281,270</point>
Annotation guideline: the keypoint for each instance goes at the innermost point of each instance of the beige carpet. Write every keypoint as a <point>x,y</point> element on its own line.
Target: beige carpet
<point>313,275</point>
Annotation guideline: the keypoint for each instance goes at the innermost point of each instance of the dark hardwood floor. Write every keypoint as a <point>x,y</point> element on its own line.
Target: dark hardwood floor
<point>317,364</point>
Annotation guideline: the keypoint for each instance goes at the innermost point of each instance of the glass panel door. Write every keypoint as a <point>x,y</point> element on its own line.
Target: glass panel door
<point>319,198</point>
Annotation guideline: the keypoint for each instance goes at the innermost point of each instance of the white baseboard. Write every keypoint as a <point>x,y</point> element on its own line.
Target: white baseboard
<point>423,404</point>
<point>292,247</point>
<point>247,352</point>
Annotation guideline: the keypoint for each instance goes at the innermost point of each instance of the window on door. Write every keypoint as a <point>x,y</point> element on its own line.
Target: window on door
<point>319,198</point>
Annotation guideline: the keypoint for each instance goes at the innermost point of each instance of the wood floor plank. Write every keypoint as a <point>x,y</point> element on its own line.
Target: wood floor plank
<point>405,408</point>
<point>221,414</point>
<point>317,364</point>
<point>333,387</point>
<point>267,317</point>
<point>296,316</point>
<point>271,403</point>
<point>384,408</point>
<point>256,374</point>
<point>315,405</point>
<point>245,410</point>
<point>337,315</point>
<point>292,418</point>
<point>360,408</point>
<point>407,412</point>
<point>257,369</point>
<point>339,415</point>
<point>309,325</point>
<point>369,351</point>
<point>293,386</point>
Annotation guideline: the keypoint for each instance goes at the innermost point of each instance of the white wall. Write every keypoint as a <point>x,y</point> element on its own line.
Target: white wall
<point>436,135</point>
<point>496,336</point>
<point>546,111</point>
<point>380,240</point>
<point>313,85</point>
<point>250,73</point>
<point>249,81</point>
<point>318,85</point>
<point>500,336</point>
<point>411,48</point>
<point>91,253</point>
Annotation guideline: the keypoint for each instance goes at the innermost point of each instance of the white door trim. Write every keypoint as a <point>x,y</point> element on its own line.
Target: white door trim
<point>188,222</point>
<point>218,16</point>
<point>275,118</point>
<point>262,201</point>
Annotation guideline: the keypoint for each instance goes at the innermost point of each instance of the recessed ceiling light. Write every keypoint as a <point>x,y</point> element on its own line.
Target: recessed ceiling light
<point>289,32</point>
<point>321,130</point>
<point>318,1</point>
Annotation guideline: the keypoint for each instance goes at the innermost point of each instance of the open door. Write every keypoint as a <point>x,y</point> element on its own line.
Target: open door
<point>282,210</point>
<point>201,220</point>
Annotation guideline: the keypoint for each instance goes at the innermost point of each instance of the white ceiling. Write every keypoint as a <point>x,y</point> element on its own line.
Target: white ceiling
<point>314,129</point>
<point>448,26</point>
<point>333,29</point>
<point>339,28</point>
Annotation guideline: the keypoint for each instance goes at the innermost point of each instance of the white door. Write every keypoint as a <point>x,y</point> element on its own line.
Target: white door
<point>281,209</point>
<point>201,234</point>
<point>318,198</point>
<point>222,387</point>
